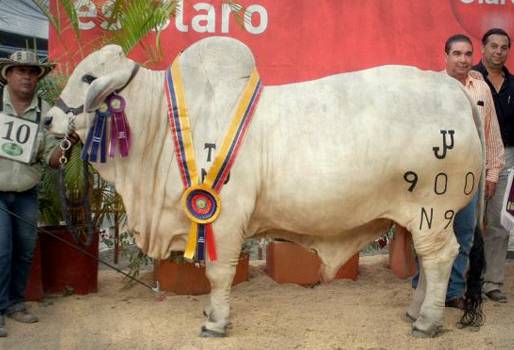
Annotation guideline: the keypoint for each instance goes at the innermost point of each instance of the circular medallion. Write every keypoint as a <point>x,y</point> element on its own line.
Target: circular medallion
<point>201,204</point>
<point>103,108</point>
<point>12,149</point>
<point>116,104</point>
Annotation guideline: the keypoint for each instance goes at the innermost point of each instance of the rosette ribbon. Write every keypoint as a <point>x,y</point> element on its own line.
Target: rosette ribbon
<point>112,109</point>
<point>202,201</point>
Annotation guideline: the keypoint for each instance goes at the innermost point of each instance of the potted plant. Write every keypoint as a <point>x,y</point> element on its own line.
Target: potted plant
<point>65,256</point>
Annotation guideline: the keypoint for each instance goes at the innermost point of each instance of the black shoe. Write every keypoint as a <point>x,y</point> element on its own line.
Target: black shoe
<point>456,303</point>
<point>497,295</point>
<point>20,313</point>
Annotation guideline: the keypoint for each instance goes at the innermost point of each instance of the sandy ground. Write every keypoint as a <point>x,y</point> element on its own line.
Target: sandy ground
<point>366,314</point>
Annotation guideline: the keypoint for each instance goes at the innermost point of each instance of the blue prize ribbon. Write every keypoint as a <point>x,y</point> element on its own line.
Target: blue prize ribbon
<point>200,246</point>
<point>84,155</point>
<point>103,144</point>
<point>99,126</point>
<point>96,138</point>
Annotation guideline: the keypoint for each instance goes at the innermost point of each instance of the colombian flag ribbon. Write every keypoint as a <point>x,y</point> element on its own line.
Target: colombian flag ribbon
<point>201,201</point>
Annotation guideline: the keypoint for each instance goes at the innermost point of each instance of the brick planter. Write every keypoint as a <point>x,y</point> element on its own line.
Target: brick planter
<point>288,262</point>
<point>187,279</point>
<point>64,268</point>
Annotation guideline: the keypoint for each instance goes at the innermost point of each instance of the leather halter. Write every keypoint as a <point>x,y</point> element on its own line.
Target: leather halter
<point>78,110</point>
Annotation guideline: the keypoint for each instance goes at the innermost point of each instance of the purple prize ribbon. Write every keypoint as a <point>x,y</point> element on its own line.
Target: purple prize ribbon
<point>120,132</point>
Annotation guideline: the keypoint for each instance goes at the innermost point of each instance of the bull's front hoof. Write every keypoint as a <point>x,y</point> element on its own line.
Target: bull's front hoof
<point>208,333</point>
<point>431,333</point>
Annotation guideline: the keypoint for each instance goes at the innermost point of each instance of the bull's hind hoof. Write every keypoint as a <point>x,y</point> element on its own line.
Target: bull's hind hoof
<point>426,334</point>
<point>207,333</point>
<point>471,328</point>
<point>419,334</point>
<point>408,318</point>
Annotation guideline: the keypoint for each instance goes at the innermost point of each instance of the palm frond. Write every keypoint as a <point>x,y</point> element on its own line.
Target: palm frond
<point>54,21</point>
<point>51,86</point>
<point>239,13</point>
<point>70,8</point>
<point>49,200</point>
<point>138,18</point>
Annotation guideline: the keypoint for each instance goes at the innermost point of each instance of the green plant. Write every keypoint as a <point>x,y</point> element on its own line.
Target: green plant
<point>104,200</point>
<point>133,255</point>
<point>128,22</point>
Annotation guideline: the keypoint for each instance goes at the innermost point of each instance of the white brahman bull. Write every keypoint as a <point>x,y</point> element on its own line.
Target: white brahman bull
<point>329,163</point>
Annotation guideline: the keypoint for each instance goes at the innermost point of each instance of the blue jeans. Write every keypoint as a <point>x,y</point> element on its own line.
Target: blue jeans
<point>464,226</point>
<point>17,243</point>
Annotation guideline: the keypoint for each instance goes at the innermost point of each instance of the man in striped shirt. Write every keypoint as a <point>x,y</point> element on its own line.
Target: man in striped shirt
<point>459,55</point>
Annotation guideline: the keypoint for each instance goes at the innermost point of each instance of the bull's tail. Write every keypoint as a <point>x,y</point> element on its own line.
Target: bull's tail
<point>473,315</point>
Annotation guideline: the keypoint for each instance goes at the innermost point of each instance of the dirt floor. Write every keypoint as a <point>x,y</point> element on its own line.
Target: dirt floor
<point>366,314</point>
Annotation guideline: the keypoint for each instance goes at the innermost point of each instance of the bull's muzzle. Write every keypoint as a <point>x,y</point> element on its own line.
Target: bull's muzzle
<point>47,121</point>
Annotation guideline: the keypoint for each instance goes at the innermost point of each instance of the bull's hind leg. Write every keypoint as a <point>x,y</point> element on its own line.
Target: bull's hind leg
<point>436,252</point>
<point>419,296</point>
<point>220,274</point>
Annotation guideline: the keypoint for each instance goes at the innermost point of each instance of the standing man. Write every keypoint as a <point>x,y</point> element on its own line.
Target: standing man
<point>495,50</point>
<point>18,180</point>
<point>459,56</point>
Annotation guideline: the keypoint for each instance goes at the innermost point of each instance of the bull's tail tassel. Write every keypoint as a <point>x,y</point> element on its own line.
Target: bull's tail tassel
<point>473,316</point>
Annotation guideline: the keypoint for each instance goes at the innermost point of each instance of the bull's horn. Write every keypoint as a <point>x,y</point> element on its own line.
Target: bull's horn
<point>105,85</point>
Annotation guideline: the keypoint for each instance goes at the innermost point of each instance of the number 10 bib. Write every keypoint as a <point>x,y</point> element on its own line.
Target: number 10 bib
<point>17,138</point>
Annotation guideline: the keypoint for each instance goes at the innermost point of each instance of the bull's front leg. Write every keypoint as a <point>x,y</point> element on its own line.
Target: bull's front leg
<point>220,274</point>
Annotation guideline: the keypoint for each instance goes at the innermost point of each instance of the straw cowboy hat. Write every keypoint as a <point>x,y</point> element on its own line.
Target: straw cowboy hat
<point>23,58</point>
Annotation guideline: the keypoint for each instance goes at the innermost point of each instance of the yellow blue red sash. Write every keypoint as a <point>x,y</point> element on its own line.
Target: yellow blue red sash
<point>201,201</point>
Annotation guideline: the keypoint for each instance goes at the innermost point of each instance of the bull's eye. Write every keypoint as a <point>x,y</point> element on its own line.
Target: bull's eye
<point>88,78</point>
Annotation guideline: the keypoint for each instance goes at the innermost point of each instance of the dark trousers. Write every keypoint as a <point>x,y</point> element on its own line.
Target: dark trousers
<point>17,243</point>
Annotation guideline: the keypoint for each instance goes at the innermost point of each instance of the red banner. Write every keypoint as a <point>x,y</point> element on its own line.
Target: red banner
<point>303,39</point>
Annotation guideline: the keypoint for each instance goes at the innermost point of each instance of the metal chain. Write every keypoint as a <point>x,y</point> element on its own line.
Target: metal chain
<point>65,144</point>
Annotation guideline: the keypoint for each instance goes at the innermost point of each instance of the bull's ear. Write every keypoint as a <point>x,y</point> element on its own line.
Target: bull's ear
<point>102,87</point>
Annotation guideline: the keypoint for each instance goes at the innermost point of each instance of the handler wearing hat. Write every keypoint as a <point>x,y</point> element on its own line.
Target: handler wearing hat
<point>21,135</point>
